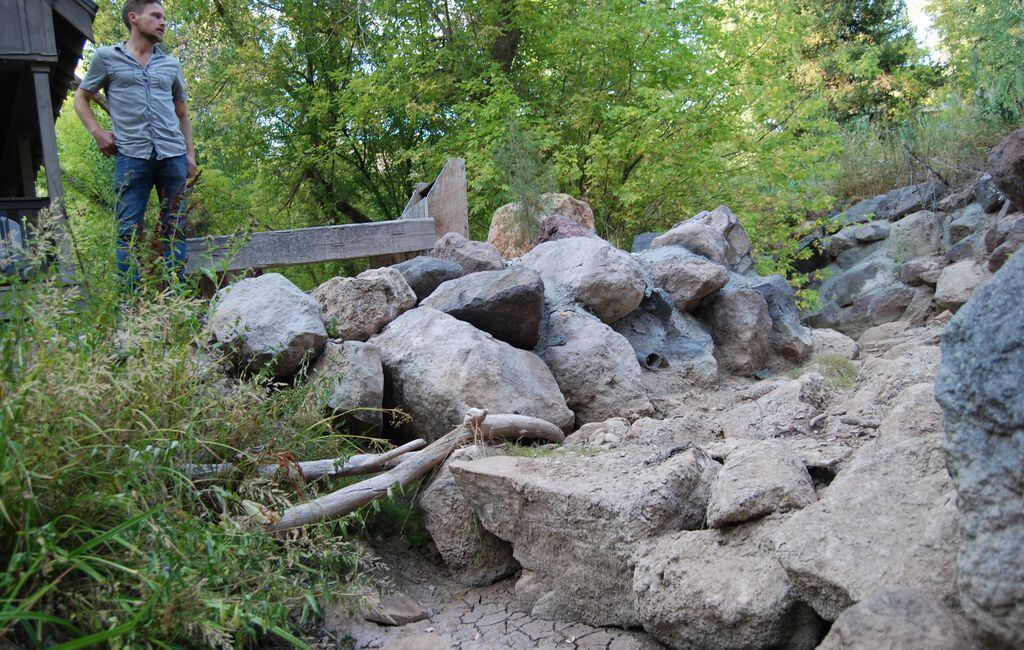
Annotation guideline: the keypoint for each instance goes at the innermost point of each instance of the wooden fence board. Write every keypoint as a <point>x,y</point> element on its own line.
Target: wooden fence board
<point>309,245</point>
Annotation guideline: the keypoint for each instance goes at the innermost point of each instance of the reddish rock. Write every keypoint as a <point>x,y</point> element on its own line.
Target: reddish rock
<point>560,227</point>
<point>1006,163</point>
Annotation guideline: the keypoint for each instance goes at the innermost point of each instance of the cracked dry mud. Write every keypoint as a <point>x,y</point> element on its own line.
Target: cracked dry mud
<point>470,618</point>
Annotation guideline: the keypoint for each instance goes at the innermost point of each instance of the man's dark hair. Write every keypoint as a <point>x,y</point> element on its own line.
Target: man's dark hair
<point>134,6</point>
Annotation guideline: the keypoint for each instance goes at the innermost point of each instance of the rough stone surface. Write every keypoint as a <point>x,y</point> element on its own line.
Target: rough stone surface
<point>915,235</point>
<point>394,609</point>
<point>596,368</point>
<point>706,589</point>
<point>897,203</point>
<point>349,376</point>
<point>472,256</point>
<point>1006,163</point>
<point>784,410</point>
<point>436,367</point>
<point>900,620</point>
<point>979,389</point>
<point>789,337</point>
<point>957,283</point>
<point>423,273</point>
<point>826,341</point>
<point>512,236</point>
<point>558,227</point>
<point>574,521</point>
<point>697,238</point>
<point>642,242</point>
<point>267,320</point>
<point>987,194</point>
<point>923,270</point>
<point>355,309</point>
<point>741,327</point>
<point>757,480</point>
<point>688,278</point>
<point>597,275</point>
<point>888,520</point>
<point>474,556</point>
<point>507,304</point>
<point>965,222</point>
<point>738,254</point>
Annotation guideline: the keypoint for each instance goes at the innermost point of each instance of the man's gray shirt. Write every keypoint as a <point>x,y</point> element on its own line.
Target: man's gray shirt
<point>140,99</point>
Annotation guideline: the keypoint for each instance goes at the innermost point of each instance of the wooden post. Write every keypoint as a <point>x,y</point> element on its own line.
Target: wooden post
<point>54,186</point>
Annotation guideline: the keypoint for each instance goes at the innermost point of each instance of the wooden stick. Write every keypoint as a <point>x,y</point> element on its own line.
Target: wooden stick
<point>312,470</point>
<point>477,426</point>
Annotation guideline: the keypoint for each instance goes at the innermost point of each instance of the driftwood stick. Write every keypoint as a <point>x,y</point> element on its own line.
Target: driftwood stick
<point>477,426</point>
<point>316,469</point>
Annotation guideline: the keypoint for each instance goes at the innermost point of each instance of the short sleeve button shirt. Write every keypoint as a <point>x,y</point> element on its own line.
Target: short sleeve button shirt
<point>140,99</point>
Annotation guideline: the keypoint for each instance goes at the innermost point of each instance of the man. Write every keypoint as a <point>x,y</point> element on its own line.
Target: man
<point>152,137</point>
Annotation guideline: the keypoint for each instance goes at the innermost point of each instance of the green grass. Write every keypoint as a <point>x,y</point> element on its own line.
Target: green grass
<point>838,371</point>
<point>103,539</point>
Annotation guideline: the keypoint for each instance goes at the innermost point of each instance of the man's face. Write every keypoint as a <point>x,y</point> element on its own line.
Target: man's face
<point>150,21</point>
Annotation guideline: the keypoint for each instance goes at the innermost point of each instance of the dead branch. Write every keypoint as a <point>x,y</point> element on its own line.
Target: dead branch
<point>477,426</point>
<point>312,470</point>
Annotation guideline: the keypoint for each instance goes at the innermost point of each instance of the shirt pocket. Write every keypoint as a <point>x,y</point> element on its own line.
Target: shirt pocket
<point>125,75</point>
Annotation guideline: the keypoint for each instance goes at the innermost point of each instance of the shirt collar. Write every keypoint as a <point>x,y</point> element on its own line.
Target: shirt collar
<point>157,50</point>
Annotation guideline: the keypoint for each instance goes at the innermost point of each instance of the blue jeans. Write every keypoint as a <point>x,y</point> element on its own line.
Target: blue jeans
<point>134,179</point>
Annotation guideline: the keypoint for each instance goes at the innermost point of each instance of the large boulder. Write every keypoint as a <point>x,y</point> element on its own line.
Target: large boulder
<point>267,321</point>
<point>471,255</point>
<point>1006,163</point>
<point>558,227</point>
<point>697,238</point>
<point>915,235</point>
<point>900,620</point>
<point>987,195</point>
<point>423,273</point>
<point>507,304</point>
<point>979,389</point>
<point>686,277</point>
<point>788,337</point>
<point>511,232</point>
<point>784,410</point>
<point>474,556</point>
<point>739,250</point>
<point>597,275</point>
<point>896,204</point>
<point>357,308</point>
<point>575,521</point>
<point>348,377</point>
<point>828,342</point>
<point>757,480</point>
<point>741,326</point>
<point>957,283</point>
<point>709,589</point>
<point>596,368</point>
<point>965,222</point>
<point>436,367</point>
<point>887,521</point>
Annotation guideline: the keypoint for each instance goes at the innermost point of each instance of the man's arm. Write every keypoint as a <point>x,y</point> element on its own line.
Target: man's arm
<point>186,130</point>
<point>83,107</point>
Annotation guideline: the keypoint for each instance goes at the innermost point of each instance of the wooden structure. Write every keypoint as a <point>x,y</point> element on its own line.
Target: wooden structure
<point>433,210</point>
<point>41,42</point>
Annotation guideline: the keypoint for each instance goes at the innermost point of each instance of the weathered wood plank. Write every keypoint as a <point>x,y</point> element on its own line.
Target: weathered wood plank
<point>309,245</point>
<point>447,201</point>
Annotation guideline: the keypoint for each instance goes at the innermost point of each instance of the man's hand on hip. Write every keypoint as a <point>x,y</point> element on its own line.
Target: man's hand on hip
<point>105,141</point>
<point>191,165</point>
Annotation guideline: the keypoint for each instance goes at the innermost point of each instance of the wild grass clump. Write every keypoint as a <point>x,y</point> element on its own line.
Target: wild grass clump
<point>839,372</point>
<point>103,538</point>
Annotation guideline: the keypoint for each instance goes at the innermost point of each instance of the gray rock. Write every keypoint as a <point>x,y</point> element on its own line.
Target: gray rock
<point>888,520</point>
<point>782,411</point>
<point>907,200</point>
<point>597,275</point>
<point>436,367</point>
<point>355,309</point>
<point>844,288</point>
<point>987,194</point>
<point>923,270</point>
<point>675,350</point>
<point>707,589</point>
<point>862,211</point>
<point>642,241</point>
<point>739,252</point>
<point>595,367</point>
<point>853,256</point>
<point>971,247</point>
<point>267,320</point>
<point>788,337</point>
<point>915,235</point>
<point>687,277</point>
<point>979,389</point>
<point>474,556</point>
<point>1004,251</point>
<point>394,609</point>
<point>472,256</point>
<point>423,273</point>
<point>966,222</point>
<point>900,620</point>
<point>506,304</point>
<point>957,283</point>
<point>574,521</point>
<point>757,480</point>
<point>1006,164</point>
<point>858,235</point>
<point>741,326</point>
<point>698,238</point>
<point>826,341</point>
<point>348,376</point>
